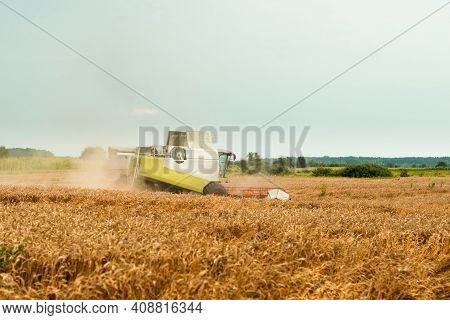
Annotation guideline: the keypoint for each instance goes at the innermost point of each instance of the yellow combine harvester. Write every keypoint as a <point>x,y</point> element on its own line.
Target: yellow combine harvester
<point>189,162</point>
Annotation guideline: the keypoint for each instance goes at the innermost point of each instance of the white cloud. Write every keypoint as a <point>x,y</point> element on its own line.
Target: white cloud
<point>143,111</point>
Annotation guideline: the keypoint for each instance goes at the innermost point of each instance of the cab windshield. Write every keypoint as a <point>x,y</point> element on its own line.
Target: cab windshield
<point>224,161</point>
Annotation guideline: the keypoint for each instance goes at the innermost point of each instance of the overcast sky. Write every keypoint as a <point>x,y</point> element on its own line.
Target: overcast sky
<point>234,62</point>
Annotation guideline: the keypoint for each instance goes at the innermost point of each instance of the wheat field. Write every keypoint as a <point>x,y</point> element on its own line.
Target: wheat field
<point>335,239</point>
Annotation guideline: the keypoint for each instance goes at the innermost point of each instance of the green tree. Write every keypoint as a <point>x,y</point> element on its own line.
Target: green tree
<point>301,162</point>
<point>254,163</point>
<point>243,165</point>
<point>367,170</point>
<point>441,164</point>
<point>279,166</point>
<point>291,162</point>
<point>3,152</point>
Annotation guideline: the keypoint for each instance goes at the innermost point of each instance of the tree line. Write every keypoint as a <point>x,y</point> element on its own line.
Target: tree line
<point>253,164</point>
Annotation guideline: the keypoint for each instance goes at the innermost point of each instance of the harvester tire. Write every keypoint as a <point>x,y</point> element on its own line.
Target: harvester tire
<point>216,189</point>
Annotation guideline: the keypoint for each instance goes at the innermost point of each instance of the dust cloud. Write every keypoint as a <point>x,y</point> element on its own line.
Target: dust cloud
<point>90,174</point>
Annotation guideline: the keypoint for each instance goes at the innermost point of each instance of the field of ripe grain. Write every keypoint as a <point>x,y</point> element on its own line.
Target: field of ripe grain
<point>335,239</point>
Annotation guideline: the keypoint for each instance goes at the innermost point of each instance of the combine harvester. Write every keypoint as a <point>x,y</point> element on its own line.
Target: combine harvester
<point>189,162</point>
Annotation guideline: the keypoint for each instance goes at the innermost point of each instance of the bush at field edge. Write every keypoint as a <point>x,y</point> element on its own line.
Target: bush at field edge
<point>368,170</point>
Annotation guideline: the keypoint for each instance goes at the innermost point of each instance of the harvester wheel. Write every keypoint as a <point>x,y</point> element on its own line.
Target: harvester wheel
<point>216,189</point>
